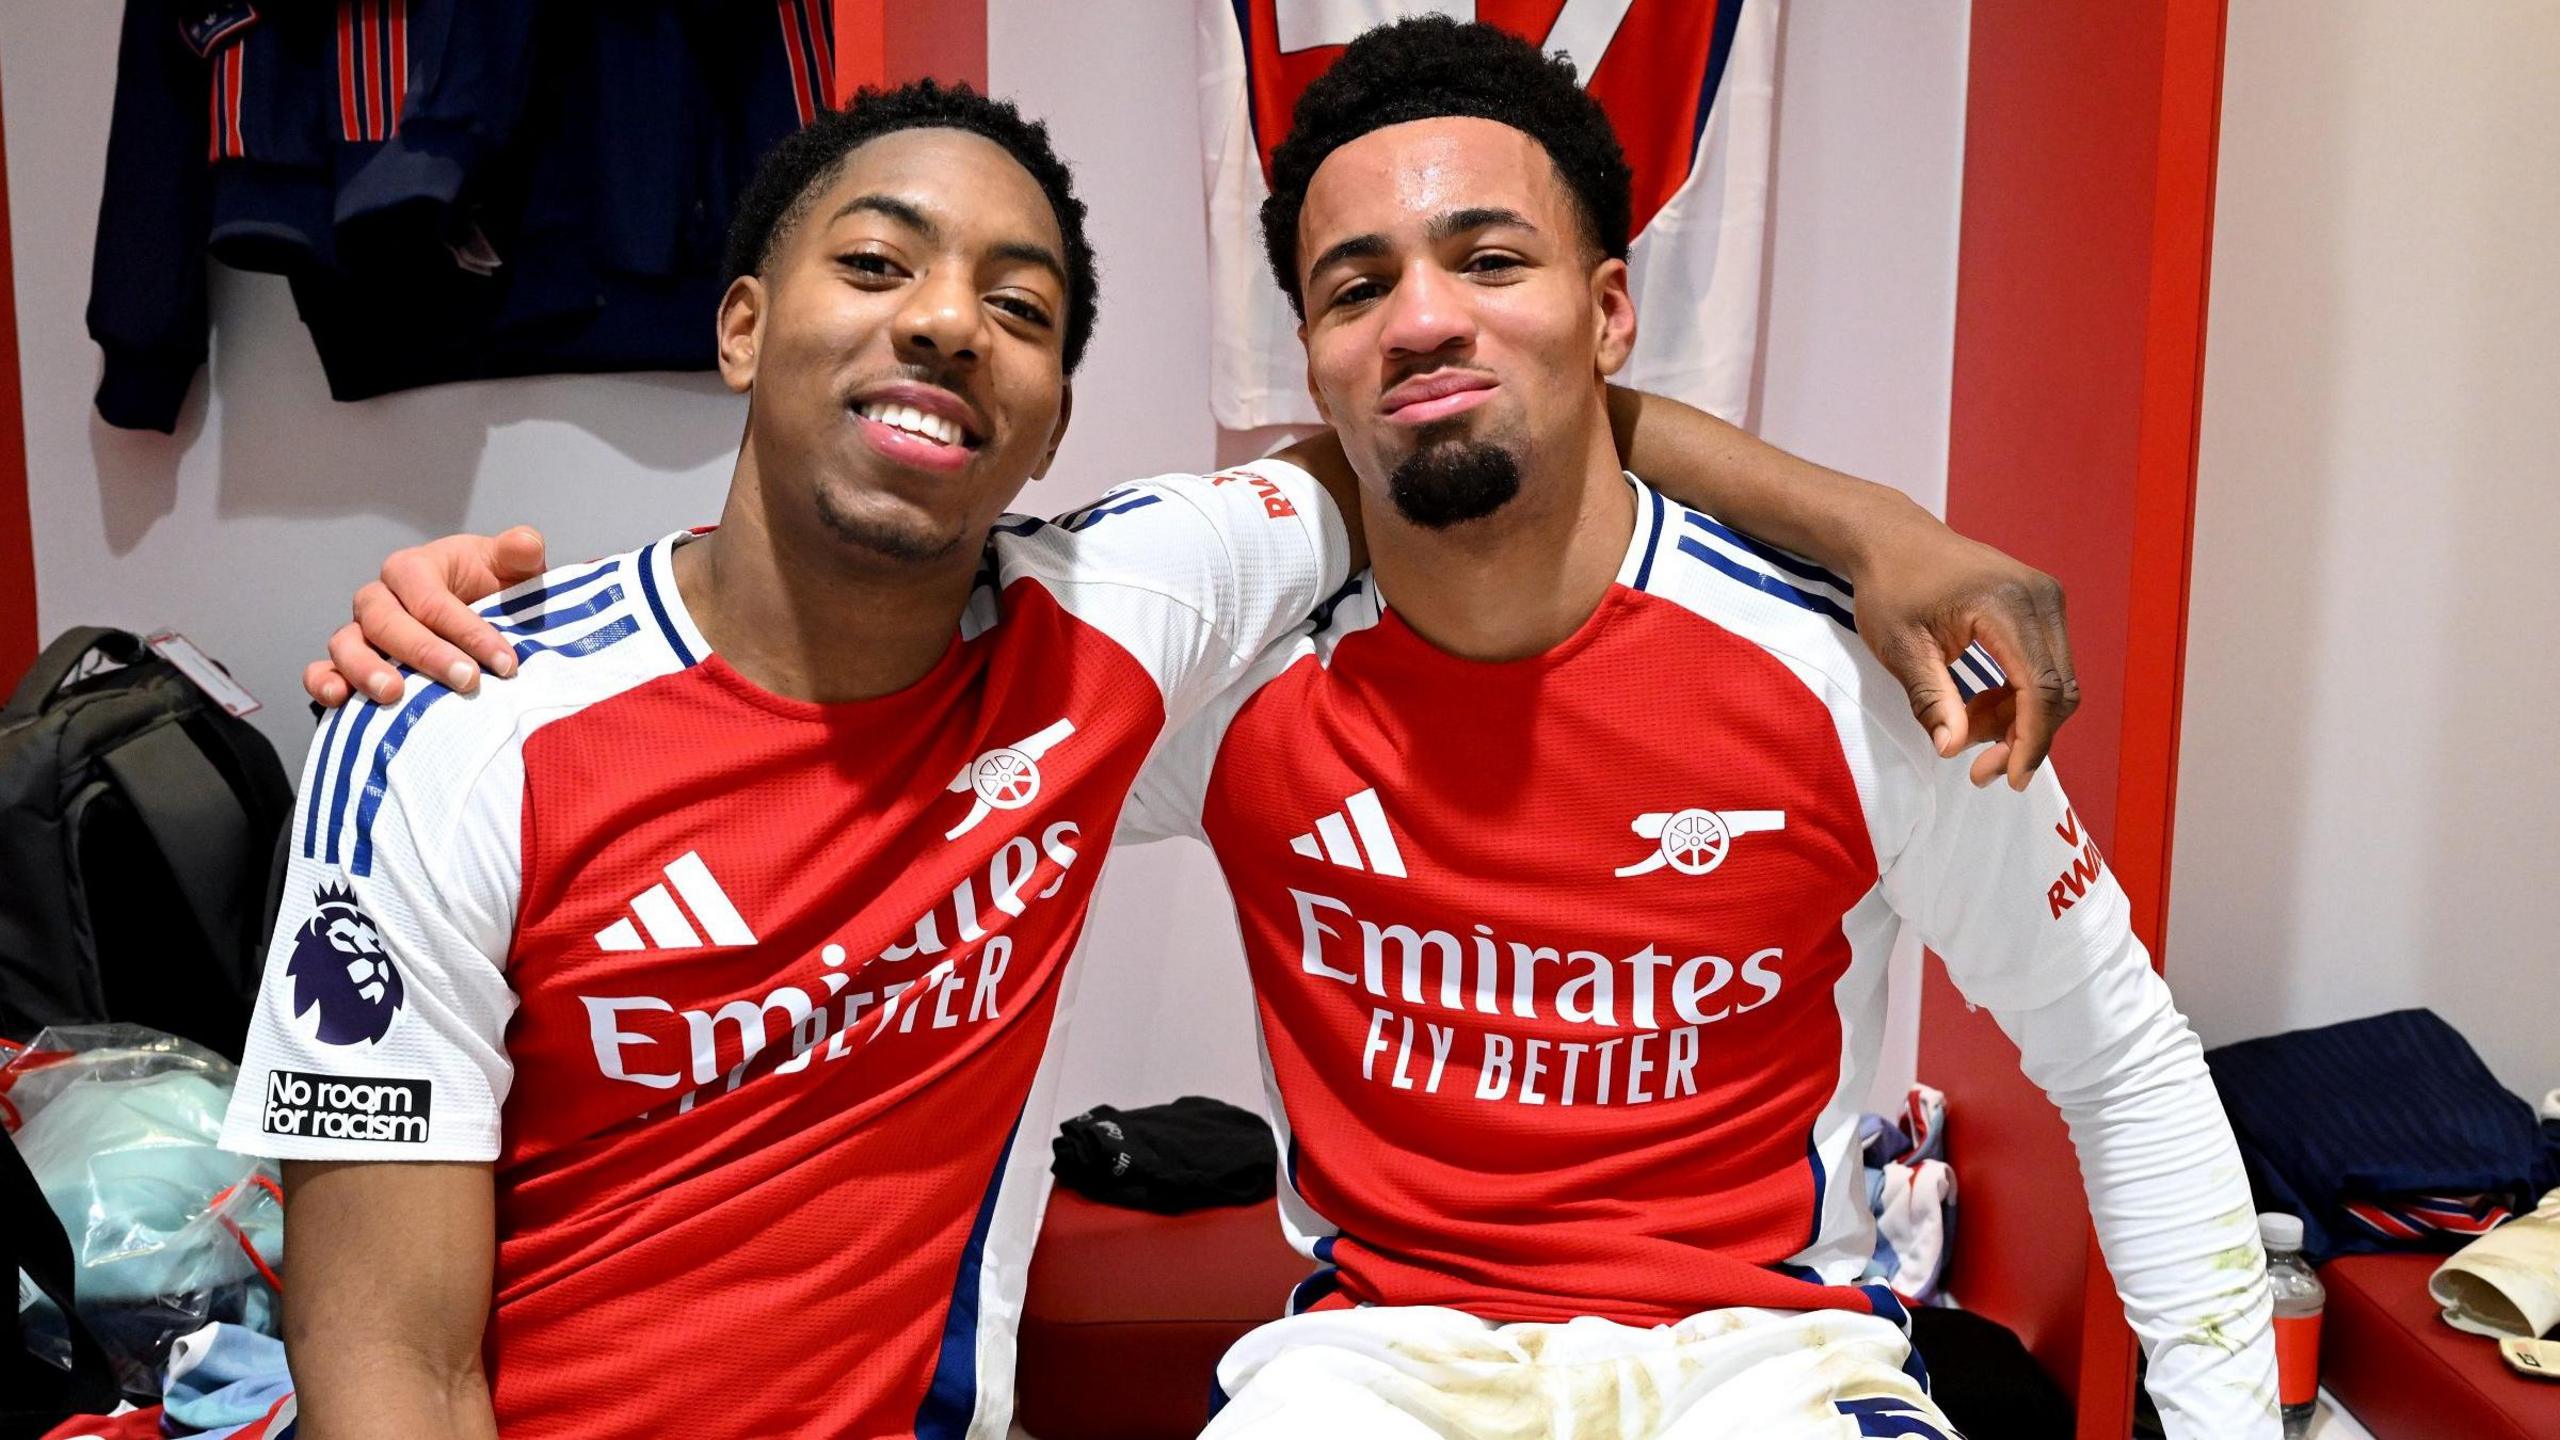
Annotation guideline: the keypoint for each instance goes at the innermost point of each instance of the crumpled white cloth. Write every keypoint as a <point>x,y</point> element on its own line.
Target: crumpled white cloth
<point>1911,1217</point>
<point>2507,1282</point>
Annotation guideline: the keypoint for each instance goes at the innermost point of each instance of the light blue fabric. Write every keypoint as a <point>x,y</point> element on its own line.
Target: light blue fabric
<point>222,1377</point>
<point>121,1127</point>
<point>125,1141</point>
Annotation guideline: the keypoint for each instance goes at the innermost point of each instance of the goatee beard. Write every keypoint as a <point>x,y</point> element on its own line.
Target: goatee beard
<point>1438,486</point>
<point>892,543</point>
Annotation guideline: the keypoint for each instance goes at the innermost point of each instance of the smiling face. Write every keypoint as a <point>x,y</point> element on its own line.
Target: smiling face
<point>1459,322</point>
<point>904,344</point>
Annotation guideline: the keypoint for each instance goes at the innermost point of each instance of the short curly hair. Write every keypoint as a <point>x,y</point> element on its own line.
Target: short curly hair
<point>799,169</point>
<point>1432,66</point>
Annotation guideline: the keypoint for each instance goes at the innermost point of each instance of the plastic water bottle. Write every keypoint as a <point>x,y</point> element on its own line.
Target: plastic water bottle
<point>2299,1298</point>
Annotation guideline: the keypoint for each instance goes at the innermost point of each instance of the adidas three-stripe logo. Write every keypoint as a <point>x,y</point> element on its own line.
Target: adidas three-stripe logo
<point>1332,840</point>
<point>665,920</point>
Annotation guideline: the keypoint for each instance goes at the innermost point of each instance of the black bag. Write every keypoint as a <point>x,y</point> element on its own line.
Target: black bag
<point>35,1394</point>
<point>1188,1155</point>
<point>1984,1379</point>
<point>138,823</point>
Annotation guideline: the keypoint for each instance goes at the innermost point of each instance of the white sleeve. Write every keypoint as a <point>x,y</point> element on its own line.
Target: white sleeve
<point>2012,892</point>
<point>379,1028</point>
<point>1195,574</point>
<point>1174,784</point>
<point>2166,1191</point>
<point>2009,887</point>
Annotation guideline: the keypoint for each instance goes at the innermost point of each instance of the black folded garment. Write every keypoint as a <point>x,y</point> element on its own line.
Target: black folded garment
<point>2367,1128</point>
<point>1985,1380</point>
<point>1190,1155</point>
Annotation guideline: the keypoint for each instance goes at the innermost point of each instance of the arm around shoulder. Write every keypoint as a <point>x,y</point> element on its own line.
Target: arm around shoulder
<point>1710,464</point>
<point>1925,593</point>
<point>1321,456</point>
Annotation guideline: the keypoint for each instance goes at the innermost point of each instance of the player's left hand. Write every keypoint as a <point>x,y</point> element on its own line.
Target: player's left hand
<point>1925,594</point>
<point>419,614</point>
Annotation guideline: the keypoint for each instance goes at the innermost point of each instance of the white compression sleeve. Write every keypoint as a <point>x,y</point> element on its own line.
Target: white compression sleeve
<point>2166,1190</point>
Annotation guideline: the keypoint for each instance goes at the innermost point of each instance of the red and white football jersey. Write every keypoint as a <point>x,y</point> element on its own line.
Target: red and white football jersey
<point>1571,970</point>
<point>1690,87</point>
<point>748,998</point>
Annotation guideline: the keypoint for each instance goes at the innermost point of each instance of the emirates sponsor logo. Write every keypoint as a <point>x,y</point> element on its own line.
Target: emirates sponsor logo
<point>1439,1001</point>
<point>843,1003</point>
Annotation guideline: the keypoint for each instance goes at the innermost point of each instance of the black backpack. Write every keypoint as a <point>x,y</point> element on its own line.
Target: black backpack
<point>139,822</point>
<point>37,1394</point>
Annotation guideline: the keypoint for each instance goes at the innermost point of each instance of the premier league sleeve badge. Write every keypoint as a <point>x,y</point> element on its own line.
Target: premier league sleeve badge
<point>339,968</point>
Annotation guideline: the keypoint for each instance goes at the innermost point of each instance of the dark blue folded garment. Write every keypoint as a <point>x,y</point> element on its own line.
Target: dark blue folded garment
<point>2376,1110</point>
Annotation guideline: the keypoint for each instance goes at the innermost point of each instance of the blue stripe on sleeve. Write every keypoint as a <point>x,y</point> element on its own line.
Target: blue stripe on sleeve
<point>540,593</point>
<point>346,775</point>
<point>1768,584</point>
<point>378,775</point>
<point>1800,568</point>
<point>594,605</point>
<point>319,783</point>
<point>594,640</point>
<point>1087,519</point>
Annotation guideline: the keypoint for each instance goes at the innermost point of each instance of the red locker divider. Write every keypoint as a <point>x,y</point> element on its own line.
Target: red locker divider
<point>2088,187</point>
<point>18,641</point>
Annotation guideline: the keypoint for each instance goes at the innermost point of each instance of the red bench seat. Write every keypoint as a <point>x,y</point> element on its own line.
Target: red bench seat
<point>1128,1312</point>
<point>2406,1374</point>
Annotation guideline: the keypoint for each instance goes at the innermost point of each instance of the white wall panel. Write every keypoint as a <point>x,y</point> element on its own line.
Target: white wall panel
<point>2367,784</point>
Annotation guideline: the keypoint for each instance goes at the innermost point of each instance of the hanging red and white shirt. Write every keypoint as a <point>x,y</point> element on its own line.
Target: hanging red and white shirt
<point>1690,86</point>
<point>749,1000</point>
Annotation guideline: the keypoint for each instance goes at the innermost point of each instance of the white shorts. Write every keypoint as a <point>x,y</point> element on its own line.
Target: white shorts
<point>1409,1373</point>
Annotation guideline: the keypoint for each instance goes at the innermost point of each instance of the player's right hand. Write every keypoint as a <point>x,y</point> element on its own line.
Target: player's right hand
<point>419,614</point>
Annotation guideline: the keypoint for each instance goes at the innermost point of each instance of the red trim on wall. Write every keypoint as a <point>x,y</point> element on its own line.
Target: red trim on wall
<point>883,42</point>
<point>2089,152</point>
<point>17,534</point>
<point>2172,412</point>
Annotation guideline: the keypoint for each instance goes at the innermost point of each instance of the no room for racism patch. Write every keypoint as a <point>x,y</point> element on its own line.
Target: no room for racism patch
<point>347,1107</point>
